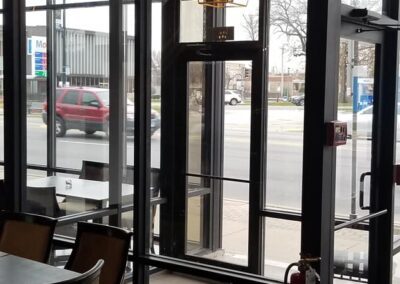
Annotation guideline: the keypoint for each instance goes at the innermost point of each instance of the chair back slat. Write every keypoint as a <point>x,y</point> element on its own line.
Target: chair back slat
<point>95,241</point>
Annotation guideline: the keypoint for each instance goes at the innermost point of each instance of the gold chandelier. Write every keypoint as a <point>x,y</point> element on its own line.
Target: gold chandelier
<point>223,3</point>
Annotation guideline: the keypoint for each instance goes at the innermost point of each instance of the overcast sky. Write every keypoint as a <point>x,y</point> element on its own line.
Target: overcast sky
<point>97,19</point>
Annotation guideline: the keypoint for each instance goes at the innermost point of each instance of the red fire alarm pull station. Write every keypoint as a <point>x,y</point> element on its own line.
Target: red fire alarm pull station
<point>336,133</point>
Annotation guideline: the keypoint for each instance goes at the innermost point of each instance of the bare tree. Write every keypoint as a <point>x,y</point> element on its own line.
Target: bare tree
<point>343,65</point>
<point>156,67</point>
<point>251,25</point>
<point>289,17</point>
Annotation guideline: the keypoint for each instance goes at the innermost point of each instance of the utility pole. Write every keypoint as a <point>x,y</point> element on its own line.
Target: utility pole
<point>64,51</point>
<point>282,73</point>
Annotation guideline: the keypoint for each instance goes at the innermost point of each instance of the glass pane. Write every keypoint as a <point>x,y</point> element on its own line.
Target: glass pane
<point>353,160</point>
<point>282,246</point>
<point>82,64</point>
<point>351,256</point>
<point>373,5</point>
<point>356,86</point>
<point>231,245</point>
<point>35,2</point>
<point>155,126</point>
<point>218,145</point>
<point>1,93</point>
<point>74,1</point>
<point>241,21</point>
<point>396,221</point>
<point>170,277</point>
<point>128,111</point>
<point>285,95</point>
<point>234,108</point>
<point>44,2</point>
<point>36,69</point>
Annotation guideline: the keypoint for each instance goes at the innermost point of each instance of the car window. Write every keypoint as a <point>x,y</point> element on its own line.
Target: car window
<point>89,98</point>
<point>105,97</point>
<point>58,94</point>
<point>71,98</point>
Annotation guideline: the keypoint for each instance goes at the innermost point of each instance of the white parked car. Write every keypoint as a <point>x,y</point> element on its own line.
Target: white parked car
<point>364,122</point>
<point>232,97</point>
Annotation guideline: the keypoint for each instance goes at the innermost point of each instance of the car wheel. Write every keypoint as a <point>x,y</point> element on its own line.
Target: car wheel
<point>233,102</point>
<point>301,103</point>
<point>60,127</point>
<point>89,132</point>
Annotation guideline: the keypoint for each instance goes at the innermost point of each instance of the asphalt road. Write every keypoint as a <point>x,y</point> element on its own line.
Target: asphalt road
<point>284,155</point>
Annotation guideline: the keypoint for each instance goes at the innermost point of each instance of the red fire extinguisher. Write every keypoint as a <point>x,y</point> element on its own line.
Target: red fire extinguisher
<point>305,274</point>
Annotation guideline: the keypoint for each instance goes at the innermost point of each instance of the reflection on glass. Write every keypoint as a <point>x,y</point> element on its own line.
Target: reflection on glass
<point>241,22</point>
<point>351,255</point>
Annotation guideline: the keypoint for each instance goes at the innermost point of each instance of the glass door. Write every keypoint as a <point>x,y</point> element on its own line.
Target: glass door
<point>353,160</point>
<point>218,161</point>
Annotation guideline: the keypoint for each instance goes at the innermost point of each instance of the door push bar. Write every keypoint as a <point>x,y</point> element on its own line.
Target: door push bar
<point>362,178</point>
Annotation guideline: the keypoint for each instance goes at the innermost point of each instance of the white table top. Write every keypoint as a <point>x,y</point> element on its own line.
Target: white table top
<point>81,188</point>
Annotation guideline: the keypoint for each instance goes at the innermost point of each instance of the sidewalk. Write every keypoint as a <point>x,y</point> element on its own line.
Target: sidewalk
<point>282,240</point>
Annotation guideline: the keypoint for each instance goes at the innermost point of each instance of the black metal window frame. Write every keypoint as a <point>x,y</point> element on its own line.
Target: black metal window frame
<point>318,110</point>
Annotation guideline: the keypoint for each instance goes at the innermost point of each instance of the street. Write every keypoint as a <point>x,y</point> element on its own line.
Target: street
<point>284,156</point>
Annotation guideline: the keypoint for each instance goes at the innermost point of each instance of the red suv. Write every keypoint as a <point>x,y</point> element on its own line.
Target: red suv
<point>87,109</point>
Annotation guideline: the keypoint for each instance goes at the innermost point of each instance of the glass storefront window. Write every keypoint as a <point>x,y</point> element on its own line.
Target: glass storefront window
<point>82,64</point>
<point>240,23</point>
<point>36,84</point>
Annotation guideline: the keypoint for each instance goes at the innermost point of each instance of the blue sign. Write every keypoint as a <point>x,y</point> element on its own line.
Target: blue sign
<point>363,93</point>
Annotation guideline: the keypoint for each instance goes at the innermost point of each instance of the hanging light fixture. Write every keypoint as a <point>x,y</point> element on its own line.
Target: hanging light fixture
<point>223,3</point>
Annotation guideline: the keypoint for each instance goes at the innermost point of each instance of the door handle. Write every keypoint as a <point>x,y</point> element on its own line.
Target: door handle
<point>362,178</point>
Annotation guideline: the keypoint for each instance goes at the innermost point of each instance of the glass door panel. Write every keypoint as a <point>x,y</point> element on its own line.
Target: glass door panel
<point>218,158</point>
<point>396,221</point>
<point>353,160</point>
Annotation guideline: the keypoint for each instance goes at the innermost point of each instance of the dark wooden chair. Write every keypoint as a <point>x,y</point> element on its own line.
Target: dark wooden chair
<point>26,235</point>
<point>43,201</point>
<point>95,171</point>
<point>95,241</point>
<point>154,179</point>
<point>92,276</point>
